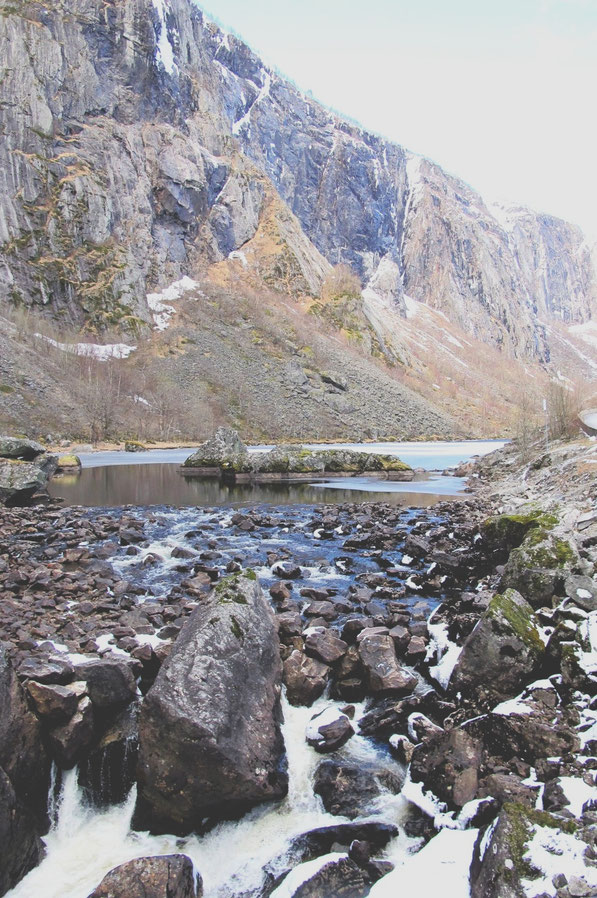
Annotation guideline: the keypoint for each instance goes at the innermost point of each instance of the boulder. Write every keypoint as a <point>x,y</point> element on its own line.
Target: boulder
<point>22,848</point>
<point>69,742</point>
<point>53,702</point>
<point>134,446</point>
<point>582,591</point>
<point>210,744</point>
<point>225,451</point>
<point>321,840</point>
<point>19,480</point>
<point>15,447</point>
<point>539,567</point>
<point>502,653</point>
<point>289,460</point>
<point>345,789</point>
<point>329,730</point>
<point>325,646</point>
<point>333,874</point>
<point>499,867</point>
<point>166,876</point>
<point>448,765</point>
<point>305,678</point>
<point>110,682</point>
<point>385,676</point>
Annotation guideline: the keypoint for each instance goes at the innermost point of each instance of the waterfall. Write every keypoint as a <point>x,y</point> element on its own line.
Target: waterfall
<point>84,843</point>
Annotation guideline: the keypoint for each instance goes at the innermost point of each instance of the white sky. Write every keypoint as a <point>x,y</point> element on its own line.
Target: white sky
<point>501,93</point>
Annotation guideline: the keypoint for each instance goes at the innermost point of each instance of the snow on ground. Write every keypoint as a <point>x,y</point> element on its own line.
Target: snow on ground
<point>159,303</point>
<point>164,49</point>
<point>99,351</point>
<point>413,306</point>
<point>441,867</point>
<point>553,851</point>
<point>586,331</point>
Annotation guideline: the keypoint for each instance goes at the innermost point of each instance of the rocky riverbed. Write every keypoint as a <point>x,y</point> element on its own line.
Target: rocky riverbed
<point>449,654</point>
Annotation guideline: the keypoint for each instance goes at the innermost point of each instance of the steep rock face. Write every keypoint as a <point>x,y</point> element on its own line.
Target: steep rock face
<point>142,144</point>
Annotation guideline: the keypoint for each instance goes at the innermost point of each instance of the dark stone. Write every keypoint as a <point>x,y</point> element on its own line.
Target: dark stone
<point>70,742</point>
<point>22,849</point>
<point>210,744</point>
<point>53,702</point>
<point>110,683</point>
<point>107,773</point>
<point>384,674</point>
<point>46,670</point>
<point>325,646</point>
<point>326,737</point>
<point>341,878</point>
<point>168,876</point>
<point>345,789</point>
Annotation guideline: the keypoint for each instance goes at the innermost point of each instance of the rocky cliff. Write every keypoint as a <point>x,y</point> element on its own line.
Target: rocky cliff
<point>141,144</point>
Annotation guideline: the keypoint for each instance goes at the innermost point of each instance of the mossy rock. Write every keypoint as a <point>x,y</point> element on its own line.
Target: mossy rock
<point>507,531</point>
<point>519,617</point>
<point>134,446</point>
<point>539,566</point>
<point>68,461</point>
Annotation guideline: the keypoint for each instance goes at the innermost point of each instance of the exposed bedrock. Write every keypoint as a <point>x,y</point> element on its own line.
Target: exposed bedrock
<point>210,744</point>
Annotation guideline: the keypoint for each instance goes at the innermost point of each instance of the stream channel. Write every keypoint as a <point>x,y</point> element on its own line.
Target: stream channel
<point>83,843</point>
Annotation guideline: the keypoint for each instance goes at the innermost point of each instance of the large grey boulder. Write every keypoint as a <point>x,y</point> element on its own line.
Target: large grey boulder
<point>19,480</point>
<point>225,450</point>
<point>384,675</point>
<point>502,653</point>
<point>168,876</point>
<point>210,744</point>
<point>15,447</point>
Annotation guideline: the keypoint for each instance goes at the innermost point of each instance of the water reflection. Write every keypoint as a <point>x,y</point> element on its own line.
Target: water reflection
<point>163,484</point>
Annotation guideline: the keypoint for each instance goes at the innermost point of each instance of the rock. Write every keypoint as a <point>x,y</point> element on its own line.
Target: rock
<point>384,674</point>
<point>22,755</point>
<point>46,670</point>
<point>55,703</point>
<point>166,876</point>
<point>345,789</point>
<point>335,875</point>
<point>420,727</point>
<point>499,868</point>
<point>582,591</point>
<point>134,446</point>
<point>324,646</point>
<point>289,460</point>
<point>305,678</point>
<point>70,742</point>
<point>19,480</point>
<point>448,765</point>
<point>110,682</point>
<point>329,730</point>
<point>402,748</point>
<point>68,463</point>
<point>209,733</point>
<point>108,771</point>
<point>320,841</point>
<point>539,567</point>
<point>15,447</point>
<point>225,451</point>
<point>503,651</point>
<point>22,848</point>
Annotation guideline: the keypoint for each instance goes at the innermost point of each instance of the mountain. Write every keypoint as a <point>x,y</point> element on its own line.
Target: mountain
<point>142,145</point>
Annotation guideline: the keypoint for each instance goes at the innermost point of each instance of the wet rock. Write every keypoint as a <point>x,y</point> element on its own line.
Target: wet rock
<point>503,651</point>
<point>448,765</point>
<point>107,773</point>
<point>110,683</point>
<point>329,730</point>
<point>320,841</point>
<point>167,876</point>
<point>22,848</point>
<point>287,571</point>
<point>402,748</point>
<point>345,789</point>
<point>305,678</point>
<point>325,646</point>
<point>383,672</point>
<point>209,733</point>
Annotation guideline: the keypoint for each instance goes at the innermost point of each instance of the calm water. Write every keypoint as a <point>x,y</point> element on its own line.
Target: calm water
<point>154,478</point>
